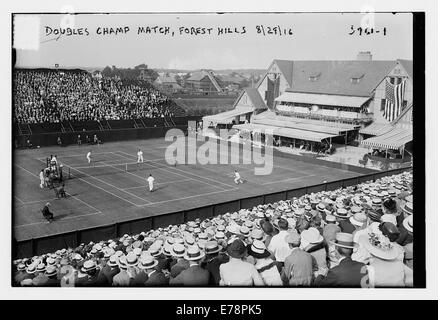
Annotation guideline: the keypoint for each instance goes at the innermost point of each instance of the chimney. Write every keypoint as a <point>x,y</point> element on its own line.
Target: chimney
<point>364,56</point>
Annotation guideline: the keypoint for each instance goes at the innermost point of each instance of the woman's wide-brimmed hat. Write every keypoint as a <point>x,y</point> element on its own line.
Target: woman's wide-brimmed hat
<point>379,246</point>
<point>408,223</point>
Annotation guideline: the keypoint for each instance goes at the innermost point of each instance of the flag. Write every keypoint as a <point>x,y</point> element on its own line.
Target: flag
<point>394,96</point>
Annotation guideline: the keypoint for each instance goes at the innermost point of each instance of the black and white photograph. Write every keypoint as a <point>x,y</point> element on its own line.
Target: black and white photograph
<point>217,150</point>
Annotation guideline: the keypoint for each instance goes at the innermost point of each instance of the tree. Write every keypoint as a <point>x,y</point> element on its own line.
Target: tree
<point>107,72</point>
<point>141,66</point>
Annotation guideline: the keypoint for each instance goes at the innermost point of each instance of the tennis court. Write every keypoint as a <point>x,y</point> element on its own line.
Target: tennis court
<point>113,186</point>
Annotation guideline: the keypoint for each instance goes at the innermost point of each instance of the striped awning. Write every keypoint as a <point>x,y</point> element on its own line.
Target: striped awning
<point>376,129</point>
<point>393,139</point>
<point>323,99</point>
<point>285,132</point>
<point>228,116</point>
<point>296,124</point>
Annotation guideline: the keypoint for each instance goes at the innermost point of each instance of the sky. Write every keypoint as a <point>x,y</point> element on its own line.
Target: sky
<point>314,36</point>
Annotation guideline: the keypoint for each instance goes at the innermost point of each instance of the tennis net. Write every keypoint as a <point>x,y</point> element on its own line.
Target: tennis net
<point>111,169</point>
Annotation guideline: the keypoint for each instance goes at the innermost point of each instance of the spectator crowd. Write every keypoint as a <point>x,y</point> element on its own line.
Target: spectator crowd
<point>42,96</point>
<point>359,236</point>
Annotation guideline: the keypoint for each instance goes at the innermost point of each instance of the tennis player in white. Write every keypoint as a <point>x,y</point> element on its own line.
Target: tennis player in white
<point>151,180</point>
<point>139,156</point>
<point>237,178</point>
<point>89,156</point>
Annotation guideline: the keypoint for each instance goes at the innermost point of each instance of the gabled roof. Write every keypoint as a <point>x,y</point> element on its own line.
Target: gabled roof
<point>255,98</point>
<point>286,68</point>
<point>408,66</point>
<point>335,76</point>
<point>196,76</point>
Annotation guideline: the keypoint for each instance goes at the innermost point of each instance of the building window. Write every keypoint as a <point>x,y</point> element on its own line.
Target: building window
<point>382,104</point>
<point>391,80</point>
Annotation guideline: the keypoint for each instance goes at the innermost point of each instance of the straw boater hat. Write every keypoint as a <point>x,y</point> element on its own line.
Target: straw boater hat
<point>344,240</point>
<point>178,250</point>
<point>329,218</point>
<point>408,208</point>
<point>257,234</point>
<point>21,267</point>
<point>41,267</point>
<point>51,271</point>
<point>408,223</point>
<point>379,246</point>
<point>155,250</point>
<point>122,262</point>
<point>258,250</point>
<point>219,235</point>
<point>167,249</point>
<point>193,253</point>
<point>147,262</point>
<point>312,236</point>
<point>342,213</point>
<point>244,231</point>
<point>131,259</point>
<point>211,247</point>
<point>113,261</point>
<point>88,266</point>
<point>358,219</point>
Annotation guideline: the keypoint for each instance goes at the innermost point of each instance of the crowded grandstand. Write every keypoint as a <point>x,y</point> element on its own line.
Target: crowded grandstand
<point>51,96</point>
<point>358,236</point>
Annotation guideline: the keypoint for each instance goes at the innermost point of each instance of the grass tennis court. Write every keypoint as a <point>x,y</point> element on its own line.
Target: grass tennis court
<point>113,187</point>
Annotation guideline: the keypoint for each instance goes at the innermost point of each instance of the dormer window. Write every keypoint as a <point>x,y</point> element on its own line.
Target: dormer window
<point>356,78</point>
<point>314,77</point>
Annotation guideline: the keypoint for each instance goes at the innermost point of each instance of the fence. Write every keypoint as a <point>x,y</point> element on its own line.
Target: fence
<point>37,246</point>
<point>47,134</point>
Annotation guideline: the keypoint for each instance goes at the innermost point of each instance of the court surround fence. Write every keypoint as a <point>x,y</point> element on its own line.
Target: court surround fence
<point>38,246</point>
<point>118,130</point>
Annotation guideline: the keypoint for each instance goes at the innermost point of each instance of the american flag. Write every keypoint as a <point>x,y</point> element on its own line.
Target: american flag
<point>394,95</point>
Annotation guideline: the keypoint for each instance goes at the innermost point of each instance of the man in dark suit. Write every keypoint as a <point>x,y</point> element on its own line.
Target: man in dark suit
<point>348,273</point>
<point>46,212</point>
<point>108,271</point>
<point>154,276</point>
<point>193,276</point>
<point>213,261</point>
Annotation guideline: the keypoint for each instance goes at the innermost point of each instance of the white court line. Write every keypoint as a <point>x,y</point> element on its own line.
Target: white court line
<point>37,201</point>
<point>189,173</point>
<point>68,218</point>
<point>19,200</point>
<point>31,173</point>
<point>105,190</point>
<point>188,197</point>
<point>197,180</point>
<point>88,205</point>
<point>290,179</point>
<point>74,197</point>
<point>160,184</point>
<point>102,181</point>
